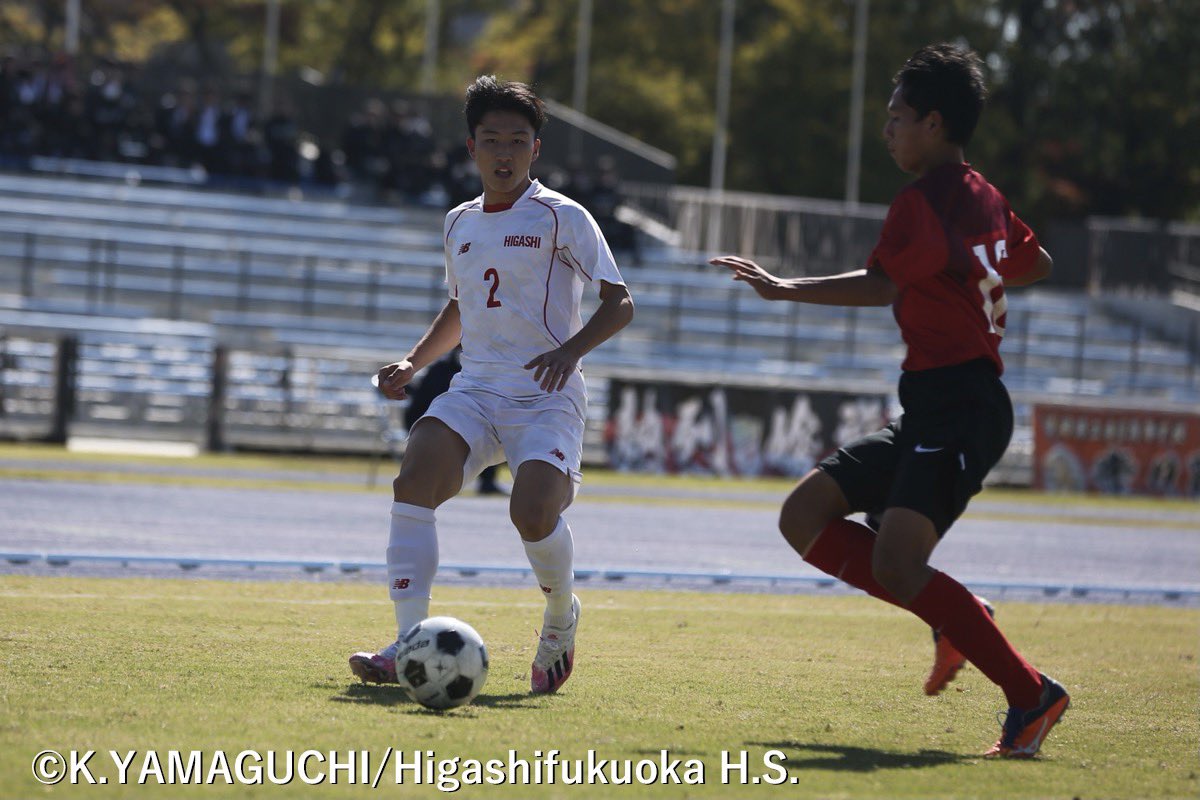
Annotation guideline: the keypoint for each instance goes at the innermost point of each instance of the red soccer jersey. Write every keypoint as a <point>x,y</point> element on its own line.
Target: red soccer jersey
<point>948,241</point>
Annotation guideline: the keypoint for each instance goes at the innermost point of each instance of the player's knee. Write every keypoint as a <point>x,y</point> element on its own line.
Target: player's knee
<point>800,521</point>
<point>403,490</point>
<point>797,530</point>
<point>415,491</point>
<point>901,578</point>
<point>534,520</point>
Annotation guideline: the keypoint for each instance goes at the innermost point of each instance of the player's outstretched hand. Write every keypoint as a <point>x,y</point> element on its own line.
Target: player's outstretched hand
<point>393,378</point>
<point>768,286</point>
<point>553,369</point>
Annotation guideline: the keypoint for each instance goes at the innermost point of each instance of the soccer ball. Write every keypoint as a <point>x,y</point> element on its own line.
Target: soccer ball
<point>442,663</point>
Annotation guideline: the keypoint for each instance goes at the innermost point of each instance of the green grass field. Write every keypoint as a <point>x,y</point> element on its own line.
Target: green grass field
<point>831,683</point>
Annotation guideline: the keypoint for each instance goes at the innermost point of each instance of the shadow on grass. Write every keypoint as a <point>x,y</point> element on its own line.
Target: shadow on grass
<point>376,695</point>
<point>513,700</point>
<point>802,755</point>
<point>381,695</point>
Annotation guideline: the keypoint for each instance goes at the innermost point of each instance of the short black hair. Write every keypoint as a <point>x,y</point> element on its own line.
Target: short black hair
<point>487,93</point>
<point>947,79</point>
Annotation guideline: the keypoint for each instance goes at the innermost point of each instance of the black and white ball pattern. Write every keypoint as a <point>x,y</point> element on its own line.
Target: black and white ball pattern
<point>442,663</point>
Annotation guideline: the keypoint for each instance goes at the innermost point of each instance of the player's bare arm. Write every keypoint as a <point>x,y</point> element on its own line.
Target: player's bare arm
<point>1040,271</point>
<point>443,334</point>
<point>554,368</point>
<point>861,287</point>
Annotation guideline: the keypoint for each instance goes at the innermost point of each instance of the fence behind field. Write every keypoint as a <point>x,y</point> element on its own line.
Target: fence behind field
<point>800,236</point>
<point>291,306</point>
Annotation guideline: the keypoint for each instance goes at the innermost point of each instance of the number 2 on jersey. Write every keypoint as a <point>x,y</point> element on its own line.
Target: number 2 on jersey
<point>993,311</point>
<point>492,275</point>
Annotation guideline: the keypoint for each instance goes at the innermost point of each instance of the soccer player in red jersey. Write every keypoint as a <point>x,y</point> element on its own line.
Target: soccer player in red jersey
<point>949,246</point>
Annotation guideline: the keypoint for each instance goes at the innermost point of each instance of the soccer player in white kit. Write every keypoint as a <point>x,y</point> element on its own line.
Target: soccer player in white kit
<point>518,259</point>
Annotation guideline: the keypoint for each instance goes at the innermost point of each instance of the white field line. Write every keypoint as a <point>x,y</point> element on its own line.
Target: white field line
<point>606,606</point>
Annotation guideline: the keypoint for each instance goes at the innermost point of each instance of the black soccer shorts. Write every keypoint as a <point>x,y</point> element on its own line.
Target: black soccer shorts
<point>956,425</point>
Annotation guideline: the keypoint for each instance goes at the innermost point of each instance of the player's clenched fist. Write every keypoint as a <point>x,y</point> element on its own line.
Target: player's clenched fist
<point>394,377</point>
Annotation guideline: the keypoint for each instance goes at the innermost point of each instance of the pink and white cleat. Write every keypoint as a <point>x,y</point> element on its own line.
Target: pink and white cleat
<point>555,655</point>
<point>376,667</point>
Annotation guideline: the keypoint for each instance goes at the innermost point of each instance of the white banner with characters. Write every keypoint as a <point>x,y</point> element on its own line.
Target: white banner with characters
<point>730,430</point>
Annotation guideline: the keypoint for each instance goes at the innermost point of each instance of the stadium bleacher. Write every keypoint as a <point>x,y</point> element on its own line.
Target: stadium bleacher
<point>302,300</point>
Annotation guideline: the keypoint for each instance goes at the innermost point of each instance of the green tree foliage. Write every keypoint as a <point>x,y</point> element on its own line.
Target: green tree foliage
<point>1106,97</point>
<point>1095,103</point>
<point>652,74</point>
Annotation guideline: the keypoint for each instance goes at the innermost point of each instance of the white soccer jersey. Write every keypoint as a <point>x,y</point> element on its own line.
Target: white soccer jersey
<point>518,276</point>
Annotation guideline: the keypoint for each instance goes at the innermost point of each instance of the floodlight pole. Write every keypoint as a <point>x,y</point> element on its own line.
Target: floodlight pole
<point>270,59</point>
<point>854,146</point>
<point>583,52</point>
<point>720,138</point>
<point>71,29</point>
<point>430,57</point>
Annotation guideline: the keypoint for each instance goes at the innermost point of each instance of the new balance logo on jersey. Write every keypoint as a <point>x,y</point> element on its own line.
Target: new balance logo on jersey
<point>558,454</point>
<point>522,241</point>
<point>466,246</point>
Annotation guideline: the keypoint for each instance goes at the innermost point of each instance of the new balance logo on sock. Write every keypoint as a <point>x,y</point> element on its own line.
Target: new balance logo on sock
<point>547,590</point>
<point>401,583</point>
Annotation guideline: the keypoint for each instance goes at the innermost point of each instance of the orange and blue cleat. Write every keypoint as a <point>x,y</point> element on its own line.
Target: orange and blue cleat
<point>1024,730</point>
<point>947,660</point>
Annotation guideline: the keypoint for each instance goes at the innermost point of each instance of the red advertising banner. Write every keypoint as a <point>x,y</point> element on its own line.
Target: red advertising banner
<point>1116,451</point>
<point>730,430</point>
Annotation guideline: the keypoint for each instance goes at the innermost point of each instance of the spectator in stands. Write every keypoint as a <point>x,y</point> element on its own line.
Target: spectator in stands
<point>174,124</point>
<point>363,143</point>
<point>107,105</point>
<point>23,118</point>
<point>408,145</point>
<point>280,137</point>
<point>60,114</point>
<point>69,132</point>
<point>60,80</point>
<point>606,199</point>
<point>7,80</point>
<point>580,184</point>
<point>239,136</point>
<point>329,167</point>
<point>133,141</point>
<point>207,133</point>
<point>458,175</point>
<point>356,138</point>
<point>44,112</point>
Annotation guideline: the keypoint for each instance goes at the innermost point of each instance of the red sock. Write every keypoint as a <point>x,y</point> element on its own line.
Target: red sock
<point>843,550</point>
<point>951,610</point>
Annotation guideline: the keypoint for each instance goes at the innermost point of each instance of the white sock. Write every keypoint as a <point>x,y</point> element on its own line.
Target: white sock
<point>552,561</point>
<point>412,561</point>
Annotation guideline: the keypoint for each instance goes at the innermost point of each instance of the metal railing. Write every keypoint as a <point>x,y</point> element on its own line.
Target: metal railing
<point>794,234</point>
<point>685,316</point>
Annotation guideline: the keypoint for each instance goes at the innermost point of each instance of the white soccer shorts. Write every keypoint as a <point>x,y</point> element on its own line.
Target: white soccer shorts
<point>498,429</point>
